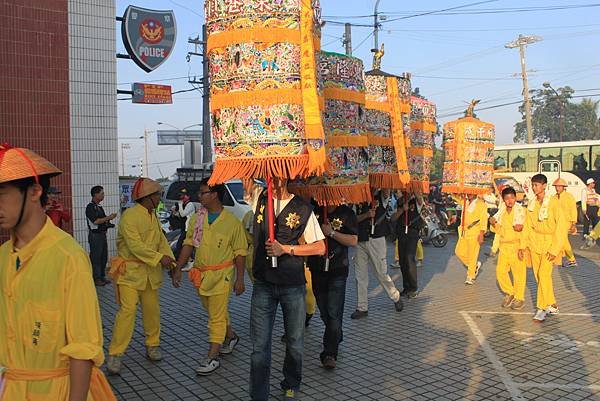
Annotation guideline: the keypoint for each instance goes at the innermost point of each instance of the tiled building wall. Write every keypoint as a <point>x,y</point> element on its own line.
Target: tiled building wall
<point>34,83</point>
<point>92,79</point>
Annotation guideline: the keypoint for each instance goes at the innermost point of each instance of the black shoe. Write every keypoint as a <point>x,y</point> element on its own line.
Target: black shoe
<point>307,320</point>
<point>359,314</point>
<point>399,305</point>
<point>328,362</point>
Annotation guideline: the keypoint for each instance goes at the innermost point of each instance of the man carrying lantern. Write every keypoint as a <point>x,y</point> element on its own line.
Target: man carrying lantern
<point>471,236</point>
<point>50,322</point>
<point>142,251</point>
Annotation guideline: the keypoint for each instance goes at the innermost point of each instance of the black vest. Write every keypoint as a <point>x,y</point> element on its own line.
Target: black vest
<point>289,227</point>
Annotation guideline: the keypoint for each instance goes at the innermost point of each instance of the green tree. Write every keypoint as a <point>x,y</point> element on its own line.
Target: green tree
<point>580,120</point>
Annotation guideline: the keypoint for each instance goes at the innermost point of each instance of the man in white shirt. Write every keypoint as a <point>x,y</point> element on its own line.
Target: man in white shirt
<point>589,205</point>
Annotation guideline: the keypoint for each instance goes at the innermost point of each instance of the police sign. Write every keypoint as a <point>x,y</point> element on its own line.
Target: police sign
<point>148,35</point>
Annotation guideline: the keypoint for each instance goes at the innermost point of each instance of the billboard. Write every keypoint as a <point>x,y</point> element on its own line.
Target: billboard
<point>148,36</point>
<point>151,93</point>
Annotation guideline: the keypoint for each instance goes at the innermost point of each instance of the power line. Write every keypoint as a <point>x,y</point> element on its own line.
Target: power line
<point>155,80</point>
<point>495,29</point>
<point>422,14</point>
<point>363,42</point>
<point>187,8</point>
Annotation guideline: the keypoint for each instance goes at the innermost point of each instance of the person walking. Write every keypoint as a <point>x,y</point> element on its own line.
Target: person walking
<point>408,226</point>
<point>98,223</point>
<point>50,325</point>
<point>330,274</point>
<point>221,246</point>
<point>182,212</point>
<point>545,229</point>
<point>284,284</point>
<point>568,207</point>
<point>373,226</point>
<point>589,205</point>
<point>471,236</point>
<point>508,226</point>
<point>142,251</point>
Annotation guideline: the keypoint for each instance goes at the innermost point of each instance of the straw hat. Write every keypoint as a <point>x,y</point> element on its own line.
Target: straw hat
<point>144,187</point>
<point>559,182</point>
<point>20,163</point>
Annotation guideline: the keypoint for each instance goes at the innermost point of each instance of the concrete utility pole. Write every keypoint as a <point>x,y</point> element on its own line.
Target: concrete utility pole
<point>521,42</point>
<point>348,39</point>
<point>376,26</point>
<point>123,147</point>
<point>146,132</point>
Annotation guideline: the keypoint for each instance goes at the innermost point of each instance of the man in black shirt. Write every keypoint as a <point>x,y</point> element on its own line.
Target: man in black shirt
<point>329,275</point>
<point>408,226</point>
<point>98,222</point>
<point>372,248</point>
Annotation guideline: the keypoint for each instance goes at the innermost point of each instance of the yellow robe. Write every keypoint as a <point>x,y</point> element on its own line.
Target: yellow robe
<point>544,236</point>
<point>509,243</point>
<point>48,314</point>
<point>568,206</point>
<point>467,247</point>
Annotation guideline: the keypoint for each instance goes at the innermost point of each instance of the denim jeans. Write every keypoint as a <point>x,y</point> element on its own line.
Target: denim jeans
<point>330,293</point>
<point>265,298</point>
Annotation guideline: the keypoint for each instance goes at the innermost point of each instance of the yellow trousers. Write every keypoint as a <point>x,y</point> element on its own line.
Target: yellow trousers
<point>311,301</point>
<point>495,244</point>
<point>218,316</point>
<point>569,250</point>
<point>508,261</point>
<point>542,270</point>
<point>595,233</point>
<point>125,319</point>
<point>467,251</point>
<point>419,255</point>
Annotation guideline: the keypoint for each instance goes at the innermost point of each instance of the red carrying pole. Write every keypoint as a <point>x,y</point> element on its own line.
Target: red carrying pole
<point>271,216</point>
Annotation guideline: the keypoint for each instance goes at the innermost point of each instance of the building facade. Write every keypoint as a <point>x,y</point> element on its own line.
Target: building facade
<point>58,95</point>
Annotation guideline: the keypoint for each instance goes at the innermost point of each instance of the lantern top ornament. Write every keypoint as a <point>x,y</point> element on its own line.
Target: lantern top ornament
<point>377,56</point>
<point>471,108</point>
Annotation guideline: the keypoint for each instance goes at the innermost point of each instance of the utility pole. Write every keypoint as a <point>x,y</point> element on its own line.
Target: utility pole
<point>206,134</point>
<point>146,132</point>
<point>376,26</point>
<point>123,147</point>
<point>521,42</point>
<point>348,39</point>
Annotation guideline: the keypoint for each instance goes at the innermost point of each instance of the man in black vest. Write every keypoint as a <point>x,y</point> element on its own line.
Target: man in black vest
<point>372,247</point>
<point>284,284</point>
<point>329,276</point>
<point>98,223</point>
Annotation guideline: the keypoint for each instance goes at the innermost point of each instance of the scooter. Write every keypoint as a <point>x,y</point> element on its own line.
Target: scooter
<point>431,231</point>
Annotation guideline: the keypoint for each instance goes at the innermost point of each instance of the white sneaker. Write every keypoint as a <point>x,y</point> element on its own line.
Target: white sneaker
<point>589,242</point>
<point>395,265</point>
<point>552,310</point>
<point>229,345</point>
<point>540,316</point>
<point>113,364</point>
<point>419,263</point>
<point>207,366</point>
<point>477,268</point>
<point>469,281</point>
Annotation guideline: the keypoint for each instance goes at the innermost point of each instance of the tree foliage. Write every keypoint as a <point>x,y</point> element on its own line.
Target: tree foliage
<point>580,119</point>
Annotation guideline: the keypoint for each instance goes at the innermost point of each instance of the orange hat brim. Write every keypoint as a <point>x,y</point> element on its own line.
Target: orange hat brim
<point>20,163</point>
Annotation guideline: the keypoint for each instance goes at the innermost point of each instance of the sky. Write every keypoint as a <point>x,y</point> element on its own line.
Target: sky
<point>454,56</point>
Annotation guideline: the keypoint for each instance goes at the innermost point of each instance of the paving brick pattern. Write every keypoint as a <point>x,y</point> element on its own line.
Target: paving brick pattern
<point>426,352</point>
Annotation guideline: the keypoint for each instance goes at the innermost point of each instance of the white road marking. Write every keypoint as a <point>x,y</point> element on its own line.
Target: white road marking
<point>511,386</point>
<point>552,386</point>
<point>526,313</point>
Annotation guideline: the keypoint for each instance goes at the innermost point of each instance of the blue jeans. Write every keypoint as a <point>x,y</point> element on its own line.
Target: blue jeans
<point>330,293</point>
<point>263,309</point>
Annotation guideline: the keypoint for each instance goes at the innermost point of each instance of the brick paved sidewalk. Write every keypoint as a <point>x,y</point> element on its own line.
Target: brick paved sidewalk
<point>450,343</point>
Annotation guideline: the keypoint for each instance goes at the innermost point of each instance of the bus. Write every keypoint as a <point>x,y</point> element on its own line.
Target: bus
<point>574,161</point>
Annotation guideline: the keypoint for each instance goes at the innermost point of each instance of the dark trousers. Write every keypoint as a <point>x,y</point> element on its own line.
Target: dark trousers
<point>330,293</point>
<point>98,254</point>
<point>407,249</point>
<point>592,218</point>
<point>263,308</point>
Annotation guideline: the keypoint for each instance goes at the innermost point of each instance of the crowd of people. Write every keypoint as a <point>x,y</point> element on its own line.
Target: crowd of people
<point>307,262</point>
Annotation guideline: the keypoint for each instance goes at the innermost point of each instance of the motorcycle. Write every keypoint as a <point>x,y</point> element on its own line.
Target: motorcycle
<point>431,231</point>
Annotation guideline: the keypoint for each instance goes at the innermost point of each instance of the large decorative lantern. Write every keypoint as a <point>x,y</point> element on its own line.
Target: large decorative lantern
<point>387,122</point>
<point>265,117</point>
<point>469,158</point>
<point>346,143</point>
<point>423,127</point>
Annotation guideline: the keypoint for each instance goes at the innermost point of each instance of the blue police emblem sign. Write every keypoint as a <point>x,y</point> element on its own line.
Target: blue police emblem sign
<point>148,35</point>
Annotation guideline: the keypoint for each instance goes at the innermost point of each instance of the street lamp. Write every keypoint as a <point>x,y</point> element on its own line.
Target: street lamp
<point>560,108</point>
<point>180,130</point>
